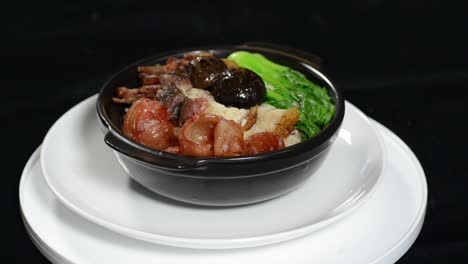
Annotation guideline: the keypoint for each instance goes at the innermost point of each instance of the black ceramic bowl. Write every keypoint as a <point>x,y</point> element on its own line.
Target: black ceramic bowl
<point>219,181</point>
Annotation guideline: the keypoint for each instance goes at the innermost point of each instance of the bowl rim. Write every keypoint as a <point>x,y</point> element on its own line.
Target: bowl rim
<point>325,134</point>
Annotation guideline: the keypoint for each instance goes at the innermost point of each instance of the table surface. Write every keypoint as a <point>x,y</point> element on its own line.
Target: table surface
<point>404,64</point>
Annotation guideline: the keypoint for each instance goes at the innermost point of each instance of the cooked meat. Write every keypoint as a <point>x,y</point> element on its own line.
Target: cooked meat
<point>196,136</point>
<point>175,65</point>
<point>180,81</point>
<point>128,96</point>
<point>149,79</point>
<point>208,135</point>
<point>285,125</point>
<point>173,99</point>
<point>228,138</point>
<point>192,107</point>
<point>263,142</point>
<point>271,119</point>
<point>154,69</point>
<point>168,90</point>
<point>164,78</point>
<point>250,118</point>
<point>265,118</point>
<point>146,122</point>
<point>194,55</point>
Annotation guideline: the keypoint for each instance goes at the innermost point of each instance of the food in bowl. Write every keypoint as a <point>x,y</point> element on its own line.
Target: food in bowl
<point>225,180</point>
<point>203,105</point>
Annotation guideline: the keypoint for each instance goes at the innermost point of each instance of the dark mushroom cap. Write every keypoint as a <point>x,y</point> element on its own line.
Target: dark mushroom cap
<point>205,71</point>
<point>241,88</point>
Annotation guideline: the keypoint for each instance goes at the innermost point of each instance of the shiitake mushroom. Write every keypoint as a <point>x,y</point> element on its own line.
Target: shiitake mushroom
<point>239,87</point>
<point>205,71</point>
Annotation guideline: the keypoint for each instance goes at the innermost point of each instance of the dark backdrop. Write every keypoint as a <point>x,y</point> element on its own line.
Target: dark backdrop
<point>403,63</point>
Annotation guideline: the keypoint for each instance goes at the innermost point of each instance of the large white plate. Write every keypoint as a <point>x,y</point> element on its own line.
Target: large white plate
<point>380,231</point>
<point>85,176</point>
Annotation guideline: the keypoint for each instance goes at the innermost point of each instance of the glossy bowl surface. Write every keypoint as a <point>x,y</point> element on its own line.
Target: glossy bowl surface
<point>217,181</point>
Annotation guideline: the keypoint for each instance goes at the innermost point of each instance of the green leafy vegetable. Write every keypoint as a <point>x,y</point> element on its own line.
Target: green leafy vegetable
<point>287,88</point>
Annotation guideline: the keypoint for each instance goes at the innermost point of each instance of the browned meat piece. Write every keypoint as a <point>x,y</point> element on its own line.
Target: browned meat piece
<point>149,79</point>
<point>208,135</point>
<point>150,74</point>
<point>263,142</point>
<point>286,124</point>
<point>175,65</point>
<point>189,57</point>
<point>193,55</point>
<point>250,118</point>
<point>192,107</point>
<point>171,94</point>
<point>173,99</point>
<point>165,87</point>
<point>228,138</point>
<point>128,96</point>
<point>180,81</point>
<point>158,68</point>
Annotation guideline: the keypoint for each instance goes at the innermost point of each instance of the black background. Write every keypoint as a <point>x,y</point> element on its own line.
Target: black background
<point>403,63</point>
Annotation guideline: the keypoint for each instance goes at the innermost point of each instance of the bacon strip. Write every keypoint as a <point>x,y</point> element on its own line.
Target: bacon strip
<point>128,96</point>
<point>154,69</point>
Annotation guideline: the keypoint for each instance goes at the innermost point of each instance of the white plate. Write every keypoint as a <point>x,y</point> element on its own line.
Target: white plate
<point>380,231</point>
<point>83,173</point>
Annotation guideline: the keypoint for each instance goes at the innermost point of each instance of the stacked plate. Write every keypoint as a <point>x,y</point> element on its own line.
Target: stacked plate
<point>366,204</point>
